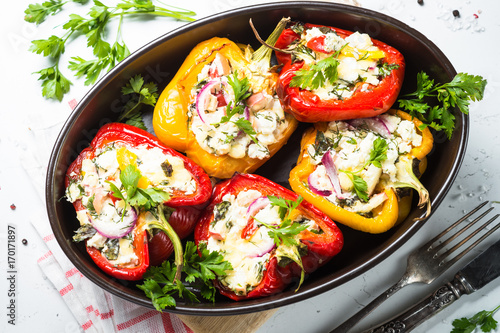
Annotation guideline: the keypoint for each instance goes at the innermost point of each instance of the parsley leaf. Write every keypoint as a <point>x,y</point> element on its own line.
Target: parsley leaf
<point>199,271</point>
<point>285,207</point>
<point>285,232</point>
<point>231,111</point>
<point>242,91</point>
<point>379,152</point>
<point>161,286</point>
<point>141,94</point>
<point>463,89</point>
<point>483,319</point>
<point>139,198</point>
<point>241,88</point>
<point>52,46</point>
<point>54,84</point>
<point>246,126</point>
<point>318,74</point>
<point>37,13</point>
<point>360,187</point>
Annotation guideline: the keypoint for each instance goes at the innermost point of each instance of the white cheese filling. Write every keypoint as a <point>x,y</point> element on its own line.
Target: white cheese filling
<point>159,170</point>
<point>356,68</point>
<point>248,255</point>
<point>352,148</point>
<point>264,113</point>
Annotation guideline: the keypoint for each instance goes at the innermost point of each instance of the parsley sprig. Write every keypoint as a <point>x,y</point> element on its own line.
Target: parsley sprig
<point>141,198</point>
<point>483,319</point>
<point>463,89</point>
<point>285,233</point>
<point>318,74</point>
<point>199,272</point>
<point>141,94</point>
<point>93,27</point>
<point>38,12</point>
<point>242,90</point>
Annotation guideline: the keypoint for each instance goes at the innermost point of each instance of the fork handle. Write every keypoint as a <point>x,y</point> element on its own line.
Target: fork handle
<point>440,299</point>
<point>349,323</point>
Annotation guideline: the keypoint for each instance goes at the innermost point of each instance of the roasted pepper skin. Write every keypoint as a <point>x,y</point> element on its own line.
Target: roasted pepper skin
<point>320,247</point>
<point>171,121</point>
<point>386,216</point>
<point>308,107</point>
<point>133,136</point>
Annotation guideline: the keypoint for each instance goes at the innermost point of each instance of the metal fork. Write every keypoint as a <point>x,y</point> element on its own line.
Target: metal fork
<point>428,262</point>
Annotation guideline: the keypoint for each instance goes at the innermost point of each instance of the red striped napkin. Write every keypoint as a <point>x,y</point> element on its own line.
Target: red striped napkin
<point>95,309</point>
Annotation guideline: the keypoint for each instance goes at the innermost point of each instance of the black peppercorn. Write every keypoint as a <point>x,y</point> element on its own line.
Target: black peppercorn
<point>456,13</point>
<point>25,241</point>
<point>420,2</point>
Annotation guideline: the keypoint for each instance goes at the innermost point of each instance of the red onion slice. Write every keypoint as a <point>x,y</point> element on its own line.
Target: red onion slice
<point>268,243</point>
<point>202,97</point>
<point>331,171</point>
<point>267,246</point>
<point>257,205</point>
<point>314,189</point>
<point>247,113</point>
<point>390,126</point>
<point>110,223</point>
<point>375,124</point>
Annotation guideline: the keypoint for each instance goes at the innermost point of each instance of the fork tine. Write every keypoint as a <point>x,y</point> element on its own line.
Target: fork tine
<point>473,245</point>
<point>461,231</point>
<point>463,218</point>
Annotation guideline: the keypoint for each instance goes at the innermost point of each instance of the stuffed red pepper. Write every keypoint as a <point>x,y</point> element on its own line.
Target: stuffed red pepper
<point>119,186</point>
<point>332,74</point>
<point>267,233</point>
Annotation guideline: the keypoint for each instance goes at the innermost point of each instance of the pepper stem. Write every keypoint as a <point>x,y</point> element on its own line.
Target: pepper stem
<point>263,54</point>
<point>164,226</point>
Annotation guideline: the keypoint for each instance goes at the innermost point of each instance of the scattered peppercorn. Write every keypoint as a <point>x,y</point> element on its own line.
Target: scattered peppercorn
<point>13,207</point>
<point>420,2</point>
<point>25,241</point>
<point>456,13</point>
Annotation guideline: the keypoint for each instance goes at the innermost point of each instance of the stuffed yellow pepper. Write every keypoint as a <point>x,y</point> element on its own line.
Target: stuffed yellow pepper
<point>222,110</point>
<point>356,171</point>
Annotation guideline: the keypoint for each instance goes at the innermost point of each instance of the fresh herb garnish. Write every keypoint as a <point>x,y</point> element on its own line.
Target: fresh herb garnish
<point>285,234</point>
<point>241,88</point>
<point>378,153</point>
<point>141,94</point>
<point>385,69</point>
<point>199,271</point>
<point>242,91</point>
<point>360,187</point>
<point>318,74</point>
<point>246,126</point>
<point>463,89</point>
<point>93,27</point>
<point>483,319</point>
<point>146,199</point>
<point>38,12</point>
